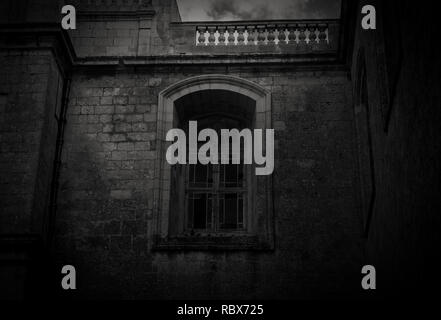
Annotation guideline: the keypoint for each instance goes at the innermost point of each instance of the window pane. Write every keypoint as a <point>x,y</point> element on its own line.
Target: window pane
<point>190,211</point>
<point>240,175</point>
<point>240,213</point>
<point>200,176</point>
<point>200,210</point>
<point>231,176</point>
<point>209,210</point>
<point>191,174</point>
<point>222,183</point>
<point>210,176</point>
<point>230,211</point>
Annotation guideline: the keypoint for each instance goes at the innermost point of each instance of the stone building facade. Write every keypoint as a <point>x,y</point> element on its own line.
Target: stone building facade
<point>84,181</point>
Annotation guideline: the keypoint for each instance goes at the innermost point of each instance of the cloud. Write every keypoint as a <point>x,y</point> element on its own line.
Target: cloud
<point>238,10</point>
<point>314,9</point>
<point>221,9</point>
<point>258,9</point>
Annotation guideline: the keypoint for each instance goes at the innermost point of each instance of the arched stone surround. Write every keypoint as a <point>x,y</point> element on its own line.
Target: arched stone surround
<point>167,120</point>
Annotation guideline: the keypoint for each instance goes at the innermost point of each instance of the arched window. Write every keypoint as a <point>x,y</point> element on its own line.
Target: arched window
<point>214,206</point>
<point>217,197</point>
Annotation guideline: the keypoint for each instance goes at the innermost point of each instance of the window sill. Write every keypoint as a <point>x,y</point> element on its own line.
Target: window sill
<point>212,243</point>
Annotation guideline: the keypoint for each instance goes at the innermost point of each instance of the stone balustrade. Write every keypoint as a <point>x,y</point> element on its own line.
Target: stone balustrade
<point>269,37</point>
<point>301,33</point>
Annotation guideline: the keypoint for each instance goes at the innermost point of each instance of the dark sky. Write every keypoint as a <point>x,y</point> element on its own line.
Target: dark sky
<point>200,10</point>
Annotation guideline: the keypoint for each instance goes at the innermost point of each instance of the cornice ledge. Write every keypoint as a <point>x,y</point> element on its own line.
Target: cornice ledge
<point>39,36</point>
<point>206,59</point>
<point>118,15</point>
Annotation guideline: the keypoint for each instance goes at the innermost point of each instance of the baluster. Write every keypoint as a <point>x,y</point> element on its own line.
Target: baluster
<point>240,35</point>
<point>230,31</point>
<point>282,35</point>
<point>261,34</point>
<point>251,35</point>
<point>211,36</point>
<point>312,35</point>
<point>221,38</point>
<point>322,32</point>
<point>201,38</point>
<point>271,36</point>
<point>302,35</point>
<point>292,37</point>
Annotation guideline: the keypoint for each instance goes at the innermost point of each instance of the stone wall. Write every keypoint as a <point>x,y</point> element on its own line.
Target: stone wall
<point>105,201</point>
<point>138,28</point>
<point>403,238</point>
<point>30,97</point>
<point>30,91</point>
<point>35,58</point>
<point>20,11</point>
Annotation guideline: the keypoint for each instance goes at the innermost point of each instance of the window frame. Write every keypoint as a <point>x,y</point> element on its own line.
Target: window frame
<point>166,235</point>
<point>216,191</point>
<point>212,120</point>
